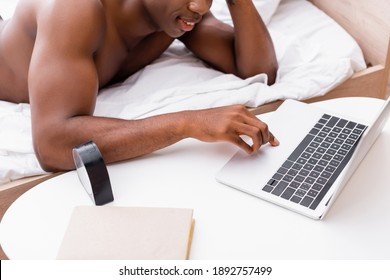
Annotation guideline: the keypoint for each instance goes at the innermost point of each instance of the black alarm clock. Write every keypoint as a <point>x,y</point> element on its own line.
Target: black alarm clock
<point>92,172</point>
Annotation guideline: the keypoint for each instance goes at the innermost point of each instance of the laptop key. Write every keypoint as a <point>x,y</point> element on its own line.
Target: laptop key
<point>312,193</point>
<point>314,131</point>
<point>296,199</point>
<point>326,174</point>
<point>327,157</point>
<point>294,184</point>
<point>310,150</point>
<point>299,178</point>
<point>304,172</point>
<point>321,181</point>
<point>338,157</point>
<point>300,193</point>
<point>336,129</point>
<point>323,162</point>
<point>318,168</point>
<point>316,187</point>
<point>288,193</point>
<point>354,136</point>
<point>277,176</point>
<point>282,170</point>
<point>280,188</point>
<point>346,147</point>
<point>288,178</point>
<point>306,155</point>
<point>334,163</point>
<point>297,166</point>
<point>292,172</point>
<point>351,125</point>
<point>361,126</point>
<point>310,180</point>
<point>306,201</point>
<point>341,123</point>
<point>273,182</point>
<point>332,121</point>
<point>330,168</point>
<point>318,155</point>
<point>347,131</point>
<point>305,186</point>
<point>287,164</point>
<point>308,166</point>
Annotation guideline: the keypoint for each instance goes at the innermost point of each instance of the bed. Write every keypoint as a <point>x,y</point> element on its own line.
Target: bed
<point>363,71</point>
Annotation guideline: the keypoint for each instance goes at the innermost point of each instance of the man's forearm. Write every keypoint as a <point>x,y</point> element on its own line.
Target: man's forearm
<point>253,45</point>
<point>124,139</point>
<point>117,139</point>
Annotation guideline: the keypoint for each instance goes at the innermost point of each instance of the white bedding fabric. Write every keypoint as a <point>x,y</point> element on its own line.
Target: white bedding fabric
<point>314,53</point>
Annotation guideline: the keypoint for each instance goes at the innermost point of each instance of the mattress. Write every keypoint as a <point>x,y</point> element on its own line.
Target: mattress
<point>314,53</point>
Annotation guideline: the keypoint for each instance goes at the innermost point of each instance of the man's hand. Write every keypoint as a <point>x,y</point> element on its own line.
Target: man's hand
<point>229,124</point>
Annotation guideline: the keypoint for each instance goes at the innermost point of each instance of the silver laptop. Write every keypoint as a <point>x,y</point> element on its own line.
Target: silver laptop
<point>318,153</point>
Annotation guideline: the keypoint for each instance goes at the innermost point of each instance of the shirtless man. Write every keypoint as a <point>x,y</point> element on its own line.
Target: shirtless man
<point>57,54</point>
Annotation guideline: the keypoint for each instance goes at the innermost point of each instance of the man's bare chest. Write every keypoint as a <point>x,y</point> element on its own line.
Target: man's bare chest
<point>117,59</point>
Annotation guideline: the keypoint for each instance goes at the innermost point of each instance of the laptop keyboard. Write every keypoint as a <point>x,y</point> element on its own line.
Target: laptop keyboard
<point>309,172</point>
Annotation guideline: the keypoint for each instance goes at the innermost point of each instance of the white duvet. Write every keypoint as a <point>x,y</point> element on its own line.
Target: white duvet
<point>314,54</point>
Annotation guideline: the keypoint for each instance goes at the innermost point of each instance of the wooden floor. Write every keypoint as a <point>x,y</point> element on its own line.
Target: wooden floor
<point>388,89</point>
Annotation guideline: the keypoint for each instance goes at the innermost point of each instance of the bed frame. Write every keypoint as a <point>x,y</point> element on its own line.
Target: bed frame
<point>369,24</point>
<point>367,21</point>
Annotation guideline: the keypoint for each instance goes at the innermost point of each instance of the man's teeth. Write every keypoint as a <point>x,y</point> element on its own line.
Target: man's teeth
<point>189,23</point>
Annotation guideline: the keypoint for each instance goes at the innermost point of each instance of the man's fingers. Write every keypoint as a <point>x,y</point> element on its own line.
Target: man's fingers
<point>273,141</point>
<point>258,136</point>
<point>243,145</point>
<point>265,136</point>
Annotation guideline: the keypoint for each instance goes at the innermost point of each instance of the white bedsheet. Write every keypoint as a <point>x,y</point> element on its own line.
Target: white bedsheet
<point>314,54</point>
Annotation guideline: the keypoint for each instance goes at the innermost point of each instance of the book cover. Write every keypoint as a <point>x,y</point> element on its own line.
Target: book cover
<point>117,233</point>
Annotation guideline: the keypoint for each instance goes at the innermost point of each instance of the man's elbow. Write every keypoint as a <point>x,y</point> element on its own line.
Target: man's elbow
<point>48,156</point>
<point>270,71</point>
<point>44,159</point>
<point>271,74</point>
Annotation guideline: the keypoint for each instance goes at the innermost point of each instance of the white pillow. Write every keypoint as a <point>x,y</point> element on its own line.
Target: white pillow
<point>7,8</point>
<point>266,9</point>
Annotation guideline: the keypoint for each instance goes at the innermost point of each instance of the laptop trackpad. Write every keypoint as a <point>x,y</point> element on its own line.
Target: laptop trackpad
<point>290,124</point>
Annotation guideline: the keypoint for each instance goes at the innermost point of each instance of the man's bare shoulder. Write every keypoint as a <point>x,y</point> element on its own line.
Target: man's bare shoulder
<point>70,7</point>
<point>75,10</point>
<point>31,13</point>
<point>71,23</point>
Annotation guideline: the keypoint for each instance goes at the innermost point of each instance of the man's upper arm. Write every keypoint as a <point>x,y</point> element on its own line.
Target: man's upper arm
<point>245,51</point>
<point>213,42</point>
<point>62,78</point>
